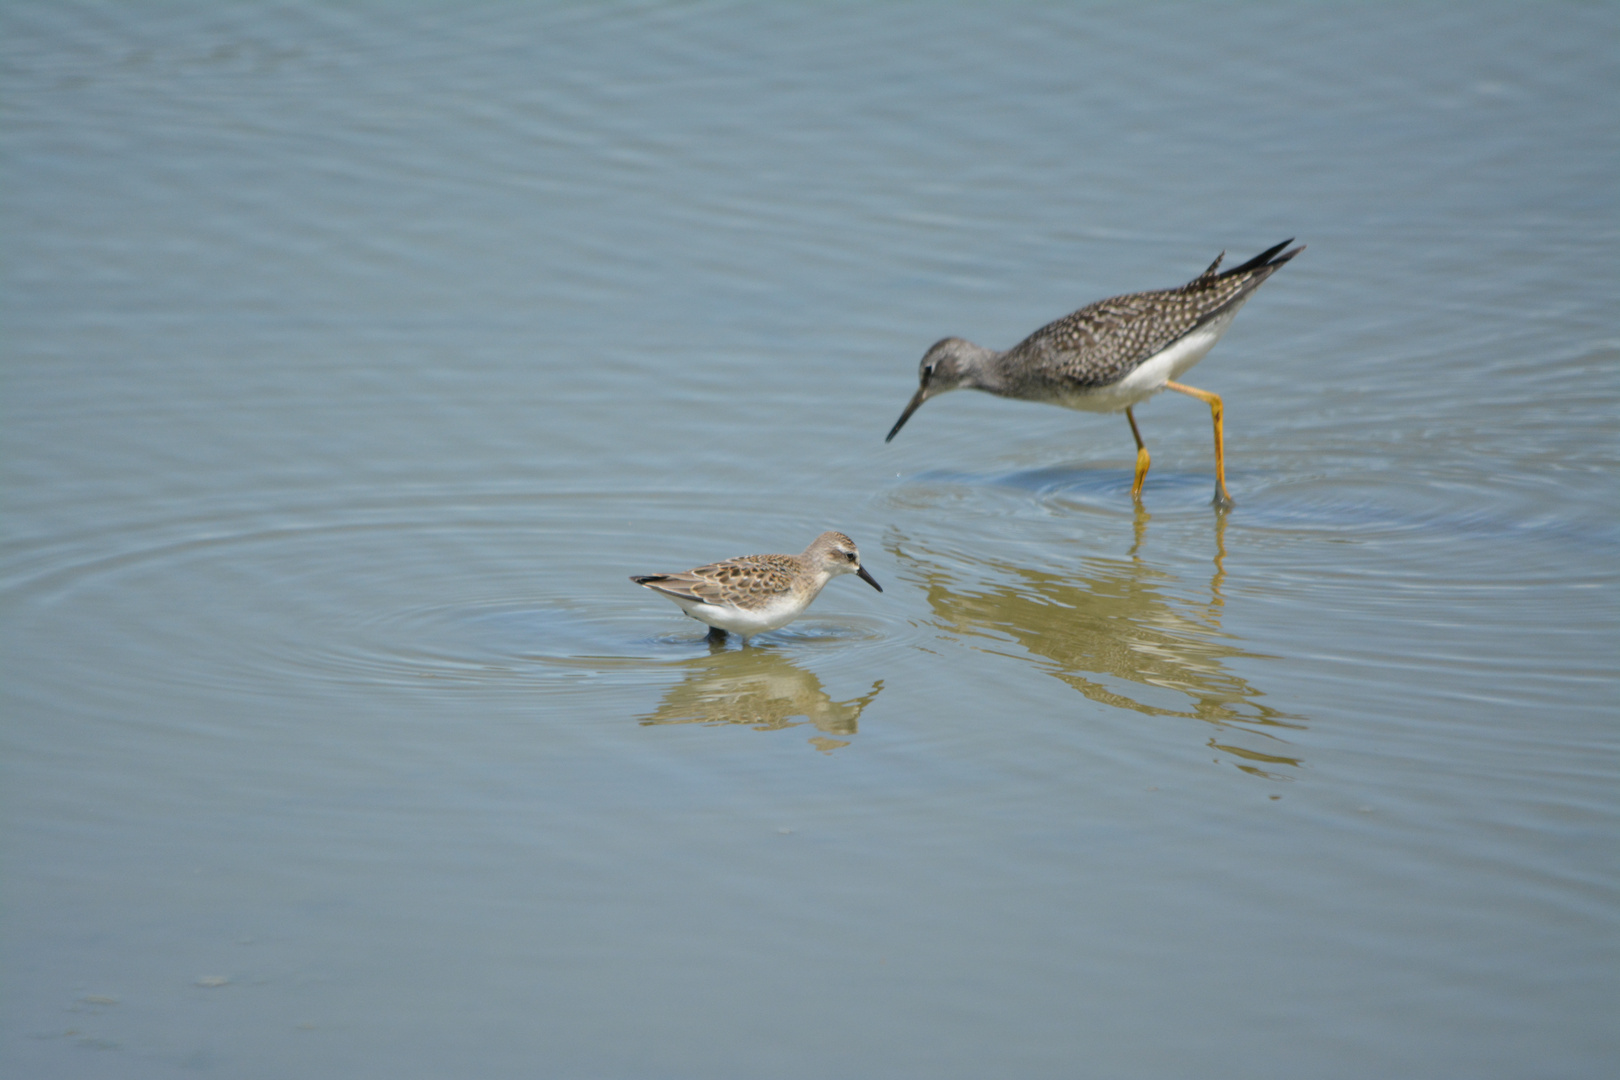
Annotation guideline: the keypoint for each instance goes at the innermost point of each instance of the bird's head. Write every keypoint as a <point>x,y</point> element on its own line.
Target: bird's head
<point>951,363</point>
<point>833,553</point>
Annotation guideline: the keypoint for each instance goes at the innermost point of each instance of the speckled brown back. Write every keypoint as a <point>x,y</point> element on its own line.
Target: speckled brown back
<point>1103,342</point>
<point>747,582</point>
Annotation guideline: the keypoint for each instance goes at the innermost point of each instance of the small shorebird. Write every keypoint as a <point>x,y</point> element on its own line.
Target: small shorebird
<point>1110,355</point>
<point>755,593</point>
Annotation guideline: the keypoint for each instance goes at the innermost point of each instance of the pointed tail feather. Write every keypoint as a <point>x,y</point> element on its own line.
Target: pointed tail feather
<point>1264,260</point>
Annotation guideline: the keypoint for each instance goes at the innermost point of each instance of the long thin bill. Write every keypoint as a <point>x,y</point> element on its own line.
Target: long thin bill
<point>861,573</point>
<point>916,399</point>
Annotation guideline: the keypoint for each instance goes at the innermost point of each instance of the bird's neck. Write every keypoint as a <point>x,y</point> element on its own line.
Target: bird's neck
<point>984,369</point>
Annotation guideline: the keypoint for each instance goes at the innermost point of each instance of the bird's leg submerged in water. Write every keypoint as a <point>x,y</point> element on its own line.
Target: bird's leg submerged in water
<point>1222,500</point>
<point>1142,457</point>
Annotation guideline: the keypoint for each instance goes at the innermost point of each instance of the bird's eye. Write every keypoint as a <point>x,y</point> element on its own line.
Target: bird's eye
<point>928,371</point>
<point>850,555</point>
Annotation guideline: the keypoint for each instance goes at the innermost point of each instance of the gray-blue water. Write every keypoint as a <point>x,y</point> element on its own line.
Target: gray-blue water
<point>353,356</point>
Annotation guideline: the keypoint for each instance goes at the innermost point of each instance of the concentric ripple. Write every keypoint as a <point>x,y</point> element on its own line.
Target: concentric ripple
<point>422,594</point>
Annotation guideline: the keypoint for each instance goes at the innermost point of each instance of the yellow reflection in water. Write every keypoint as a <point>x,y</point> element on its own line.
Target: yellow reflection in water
<point>762,689</point>
<point>1115,631</point>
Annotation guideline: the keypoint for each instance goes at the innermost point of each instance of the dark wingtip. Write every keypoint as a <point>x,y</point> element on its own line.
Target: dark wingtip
<point>1289,254</point>
<point>642,579</point>
<point>1267,259</point>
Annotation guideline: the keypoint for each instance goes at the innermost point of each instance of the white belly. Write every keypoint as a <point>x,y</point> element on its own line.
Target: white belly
<point>745,621</point>
<point>1160,368</point>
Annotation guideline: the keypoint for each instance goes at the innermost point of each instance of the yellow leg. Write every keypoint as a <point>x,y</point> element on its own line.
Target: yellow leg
<point>1142,458</point>
<point>1222,499</point>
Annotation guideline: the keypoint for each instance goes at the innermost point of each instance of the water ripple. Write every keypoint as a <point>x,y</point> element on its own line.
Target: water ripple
<point>449,594</point>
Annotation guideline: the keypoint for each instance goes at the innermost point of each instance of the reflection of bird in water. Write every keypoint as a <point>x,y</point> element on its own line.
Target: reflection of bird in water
<point>763,690</point>
<point>1111,631</point>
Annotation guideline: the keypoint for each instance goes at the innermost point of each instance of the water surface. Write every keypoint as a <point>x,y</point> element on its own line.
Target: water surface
<point>354,357</point>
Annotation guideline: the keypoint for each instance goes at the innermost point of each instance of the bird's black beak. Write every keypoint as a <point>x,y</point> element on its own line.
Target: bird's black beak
<point>860,572</point>
<point>916,399</point>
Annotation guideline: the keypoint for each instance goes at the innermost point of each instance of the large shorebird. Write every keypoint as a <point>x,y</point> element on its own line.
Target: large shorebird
<point>1110,355</point>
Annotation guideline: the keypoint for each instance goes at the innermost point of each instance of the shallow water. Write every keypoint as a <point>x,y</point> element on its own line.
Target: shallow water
<point>353,358</point>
